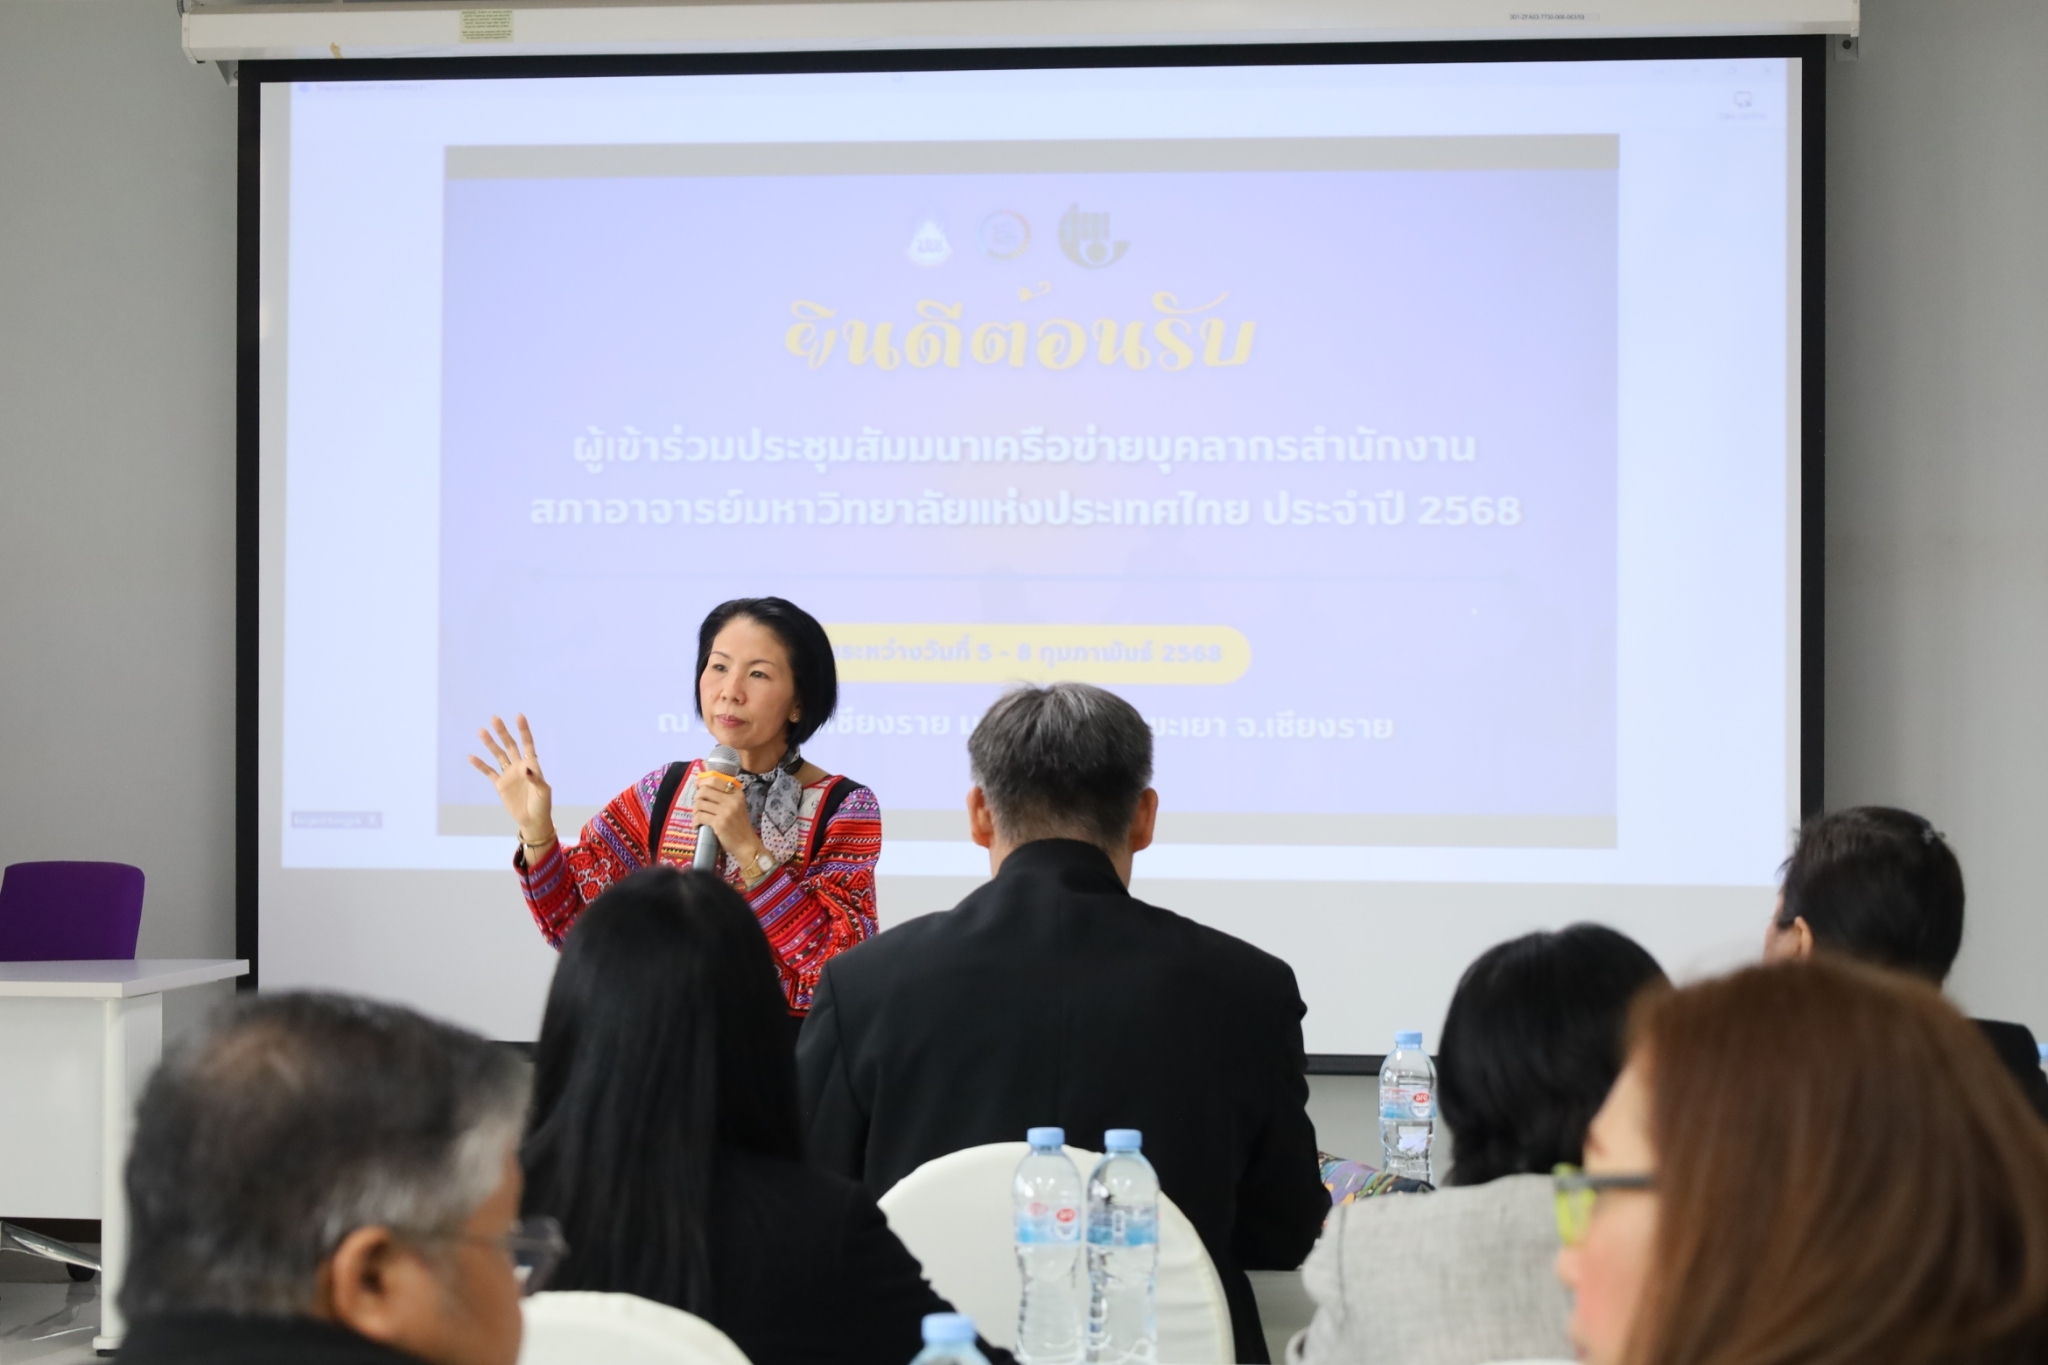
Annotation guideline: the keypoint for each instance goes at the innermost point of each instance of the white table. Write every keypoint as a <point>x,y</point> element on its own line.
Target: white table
<point>77,1042</point>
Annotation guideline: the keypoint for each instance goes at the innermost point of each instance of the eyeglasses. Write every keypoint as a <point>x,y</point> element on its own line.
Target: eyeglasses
<point>535,1245</point>
<point>1577,1192</point>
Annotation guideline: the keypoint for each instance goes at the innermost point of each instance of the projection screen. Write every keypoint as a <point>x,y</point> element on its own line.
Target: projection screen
<point>1418,444</point>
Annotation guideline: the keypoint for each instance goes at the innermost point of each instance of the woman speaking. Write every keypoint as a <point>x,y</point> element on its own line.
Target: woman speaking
<point>799,843</point>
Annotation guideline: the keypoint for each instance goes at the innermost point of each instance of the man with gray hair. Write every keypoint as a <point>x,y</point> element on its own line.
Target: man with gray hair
<point>324,1179</point>
<point>1052,996</point>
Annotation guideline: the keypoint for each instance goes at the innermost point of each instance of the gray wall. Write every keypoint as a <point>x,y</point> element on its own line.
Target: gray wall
<point>1937,591</point>
<point>117,487</point>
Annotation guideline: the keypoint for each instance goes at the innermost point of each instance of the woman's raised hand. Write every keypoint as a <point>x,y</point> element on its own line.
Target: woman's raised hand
<point>526,794</point>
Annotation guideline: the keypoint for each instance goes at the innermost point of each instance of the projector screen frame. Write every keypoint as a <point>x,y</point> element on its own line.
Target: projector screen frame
<point>1812,52</point>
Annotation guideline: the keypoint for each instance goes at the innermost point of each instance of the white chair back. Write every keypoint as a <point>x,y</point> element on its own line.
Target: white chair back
<point>954,1214</point>
<point>579,1327</point>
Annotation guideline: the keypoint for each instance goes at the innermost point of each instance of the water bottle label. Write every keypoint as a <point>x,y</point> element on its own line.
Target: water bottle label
<point>1399,1102</point>
<point>1041,1223</point>
<point>1124,1228</point>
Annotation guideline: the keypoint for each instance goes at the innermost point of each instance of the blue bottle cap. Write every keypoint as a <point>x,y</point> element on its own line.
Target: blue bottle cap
<point>1046,1137</point>
<point>947,1329</point>
<point>1408,1038</point>
<point>1122,1140</point>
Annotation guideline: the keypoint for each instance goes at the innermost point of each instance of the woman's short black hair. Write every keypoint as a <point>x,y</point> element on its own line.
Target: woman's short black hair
<point>810,656</point>
<point>666,1038</point>
<point>1878,884</point>
<point>1533,1041</point>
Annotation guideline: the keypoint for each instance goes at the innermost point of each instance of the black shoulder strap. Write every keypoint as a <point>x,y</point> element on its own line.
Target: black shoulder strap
<point>828,806</point>
<point>664,799</point>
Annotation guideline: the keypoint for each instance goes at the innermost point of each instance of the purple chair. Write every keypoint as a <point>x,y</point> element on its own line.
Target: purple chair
<point>57,912</point>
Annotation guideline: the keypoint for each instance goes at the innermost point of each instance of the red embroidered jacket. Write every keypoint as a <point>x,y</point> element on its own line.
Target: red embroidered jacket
<point>811,909</point>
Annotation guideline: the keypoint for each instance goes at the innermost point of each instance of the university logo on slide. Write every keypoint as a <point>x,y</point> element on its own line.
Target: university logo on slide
<point>1005,235</point>
<point>1084,237</point>
<point>928,246</point>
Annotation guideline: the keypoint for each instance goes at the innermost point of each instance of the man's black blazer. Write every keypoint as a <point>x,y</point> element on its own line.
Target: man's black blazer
<point>1051,995</point>
<point>2014,1044</point>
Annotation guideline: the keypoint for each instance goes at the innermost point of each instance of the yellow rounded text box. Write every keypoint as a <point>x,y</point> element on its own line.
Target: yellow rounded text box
<point>920,653</point>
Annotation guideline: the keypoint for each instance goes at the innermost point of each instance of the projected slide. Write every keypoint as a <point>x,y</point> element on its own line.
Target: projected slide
<point>1415,445</point>
<point>1305,445</point>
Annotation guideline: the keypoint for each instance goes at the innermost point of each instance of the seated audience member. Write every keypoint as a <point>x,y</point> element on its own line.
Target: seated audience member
<point>1811,1162</point>
<point>1531,1045</point>
<point>665,1138</point>
<point>325,1180</point>
<point>1052,996</point>
<point>1883,886</point>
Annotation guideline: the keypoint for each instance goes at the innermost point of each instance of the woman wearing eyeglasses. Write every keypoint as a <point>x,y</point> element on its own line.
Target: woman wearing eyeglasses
<point>1531,1045</point>
<point>664,1138</point>
<point>1809,1162</point>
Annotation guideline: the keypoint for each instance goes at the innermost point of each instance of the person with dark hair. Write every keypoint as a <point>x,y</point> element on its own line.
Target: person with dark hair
<point>1882,885</point>
<point>1532,1043</point>
<point>1816,1162</point>
<point>323,1179</point>
<point>664,1138</point>
<point>798,842</point>
<point>1052,996</point>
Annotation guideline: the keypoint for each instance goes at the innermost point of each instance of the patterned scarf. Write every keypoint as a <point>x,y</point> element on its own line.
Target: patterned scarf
<point>775,802</point>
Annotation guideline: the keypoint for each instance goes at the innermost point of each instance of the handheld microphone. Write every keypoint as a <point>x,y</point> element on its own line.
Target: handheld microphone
<point>725,761</point>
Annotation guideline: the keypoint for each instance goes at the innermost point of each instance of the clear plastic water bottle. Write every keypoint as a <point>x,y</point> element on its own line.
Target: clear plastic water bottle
<point>1407,1107</point>
<point>1047,1194</point>
<point>1123,1253</point>
<point>2042,1048</point>
<point>949,1340</point>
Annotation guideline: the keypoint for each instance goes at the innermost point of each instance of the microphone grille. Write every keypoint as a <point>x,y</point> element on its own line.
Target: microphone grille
<point>723,758</point>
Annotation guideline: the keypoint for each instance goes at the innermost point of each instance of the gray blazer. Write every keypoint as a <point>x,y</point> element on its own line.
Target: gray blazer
<point>1458,1277</point>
